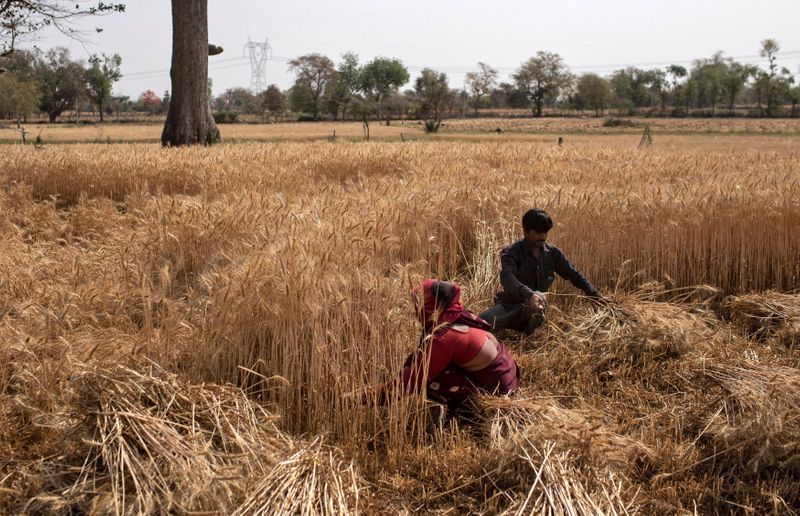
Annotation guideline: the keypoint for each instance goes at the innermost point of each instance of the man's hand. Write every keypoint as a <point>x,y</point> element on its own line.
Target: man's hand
<point>538,302</point>
<point>605,300</point>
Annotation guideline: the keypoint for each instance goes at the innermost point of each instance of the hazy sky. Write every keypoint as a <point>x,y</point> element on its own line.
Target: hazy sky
<point>447,35</point>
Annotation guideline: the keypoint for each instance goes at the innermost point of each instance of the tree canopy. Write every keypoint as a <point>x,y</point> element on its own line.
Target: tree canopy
<point>100,78</point>
<point>20,19</point>
<point>542,75</point>
<point>314,73</point>
<point>481,83</point>
<point>434,95</point>
<point>382,76</point>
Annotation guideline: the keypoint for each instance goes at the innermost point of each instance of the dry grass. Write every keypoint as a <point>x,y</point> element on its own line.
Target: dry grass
<point>179,328</point>
<point>720,134</point>
<point>767,316</point>
<point>112,133</point>
<point>753,126</point>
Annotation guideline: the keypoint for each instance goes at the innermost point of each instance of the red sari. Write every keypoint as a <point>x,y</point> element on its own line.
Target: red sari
<point>452,337</point>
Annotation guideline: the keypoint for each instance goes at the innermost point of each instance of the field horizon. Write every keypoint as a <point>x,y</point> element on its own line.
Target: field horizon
<point>580,129</point>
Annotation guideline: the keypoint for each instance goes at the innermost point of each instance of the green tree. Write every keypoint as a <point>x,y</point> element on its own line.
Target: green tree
<point>20,19</point>
<point>301,100</point>
<point>119,104</point>
<point>784,90</point>
<point>677,72</point>
<point>165,100</point>
<point>348,83</point>
<point>100,78</point>
<point>481,83</point>
<point>363,109</point>
<point>659,87</point>
<point>434,96</point>
<point>61,81</point>
<point>734,79</point>
<point>512,96</point>
<point>273,101</point>
<point>689,92</point>
<point>21,63</point>
<point>314,73</point>
<point>594,92</point>
<point>636,88</point>
<point>396,105</point>
<point>769,50</point>
<point>794,98</point>
<point>380,77</point>
<point>237,100</point>
<point>540,77</point>
<point>19,98</point>
<point>709,76</point>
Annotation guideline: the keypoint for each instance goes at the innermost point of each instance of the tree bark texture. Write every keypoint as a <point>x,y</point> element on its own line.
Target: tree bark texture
<point>189,119</point>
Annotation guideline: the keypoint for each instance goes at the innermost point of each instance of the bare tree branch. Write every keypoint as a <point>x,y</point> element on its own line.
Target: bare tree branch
<point>20,19</point>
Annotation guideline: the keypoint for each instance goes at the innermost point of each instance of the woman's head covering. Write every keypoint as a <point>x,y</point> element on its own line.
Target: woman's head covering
<point>439,303</point>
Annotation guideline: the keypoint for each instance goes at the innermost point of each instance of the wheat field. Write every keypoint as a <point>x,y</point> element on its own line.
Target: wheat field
<point>182,329</point>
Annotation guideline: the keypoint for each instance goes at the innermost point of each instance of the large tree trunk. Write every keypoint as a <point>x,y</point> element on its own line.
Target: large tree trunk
<point>189,119</point>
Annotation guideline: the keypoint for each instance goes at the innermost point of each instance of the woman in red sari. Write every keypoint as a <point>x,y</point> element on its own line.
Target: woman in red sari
<point>458,354</point>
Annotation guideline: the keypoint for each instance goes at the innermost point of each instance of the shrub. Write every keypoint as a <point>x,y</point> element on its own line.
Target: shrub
<point>618,122</point>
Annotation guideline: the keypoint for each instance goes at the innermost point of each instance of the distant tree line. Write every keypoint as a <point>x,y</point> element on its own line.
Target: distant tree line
<point>714,86</point>
<point>51,83</point>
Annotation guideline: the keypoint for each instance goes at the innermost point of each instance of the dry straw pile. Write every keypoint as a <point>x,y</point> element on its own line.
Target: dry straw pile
<point>180,329</point>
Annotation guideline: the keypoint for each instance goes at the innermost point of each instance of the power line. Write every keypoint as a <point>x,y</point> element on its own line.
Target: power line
<point>790,55</point>
<point>157,75</point>
<point>165,72</point>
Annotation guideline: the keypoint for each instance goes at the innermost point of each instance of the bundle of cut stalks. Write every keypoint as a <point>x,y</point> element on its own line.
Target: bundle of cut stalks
<point>546,481</point>
<point>312,481</point>
<point>556,460</point>
<point>633,339</point>
<point>756,431</point>
<point>118,440</point>
<point>581,431</point>
<point>766,316</point>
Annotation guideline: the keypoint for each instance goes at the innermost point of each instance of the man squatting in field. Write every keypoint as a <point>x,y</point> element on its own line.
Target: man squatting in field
<point>528,268</point>
<point>458,355</point>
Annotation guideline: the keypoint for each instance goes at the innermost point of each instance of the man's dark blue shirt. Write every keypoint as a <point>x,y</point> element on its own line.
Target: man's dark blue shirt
<point>522,273</point>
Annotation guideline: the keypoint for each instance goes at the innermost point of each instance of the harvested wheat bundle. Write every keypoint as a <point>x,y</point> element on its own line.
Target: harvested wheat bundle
<point>536,478</point>
<point>633,337</point>
<point>582,433</point>
<point>312,481</point>
<point>757,428</point>
<point>559,461</point>
<point>789,336</point>
<point>172,446</point>
<point>143,441</point>
<point>765,316</point>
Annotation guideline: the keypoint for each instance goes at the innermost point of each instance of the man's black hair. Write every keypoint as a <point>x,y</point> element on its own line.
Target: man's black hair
<point>538,220</point>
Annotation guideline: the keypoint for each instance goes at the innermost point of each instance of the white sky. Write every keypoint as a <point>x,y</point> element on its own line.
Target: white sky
<point>447,35</point>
